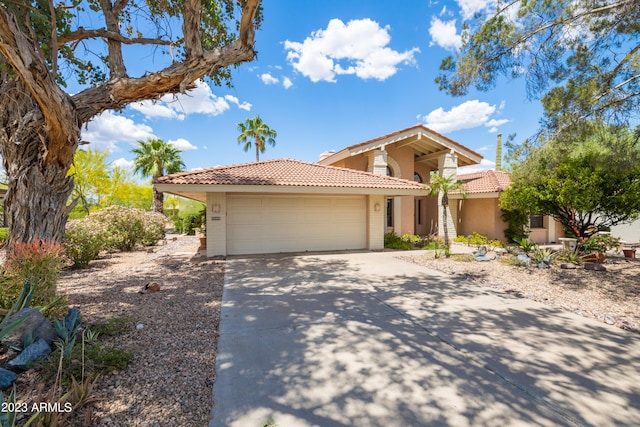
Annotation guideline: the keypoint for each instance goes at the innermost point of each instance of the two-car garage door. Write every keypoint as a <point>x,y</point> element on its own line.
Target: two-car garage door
<point>269,224</point>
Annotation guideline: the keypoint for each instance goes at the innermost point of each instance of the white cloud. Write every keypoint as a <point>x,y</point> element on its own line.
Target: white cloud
<point>107,130</point>
<point>484,165</point>
<point>469,114</point>
<point>470,7</point>
<point>443,34</point>
<point>287,83</point>
<point>123,163</point>
<point>200,100</point>
<point>359,47</point>
<point>182,144</point>
<point>241,105</point>
<point>268,79</point>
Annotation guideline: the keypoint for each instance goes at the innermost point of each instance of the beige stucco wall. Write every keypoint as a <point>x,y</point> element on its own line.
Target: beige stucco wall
<point>480,215</point>
<point>375,222</point>
<point>216,224</point>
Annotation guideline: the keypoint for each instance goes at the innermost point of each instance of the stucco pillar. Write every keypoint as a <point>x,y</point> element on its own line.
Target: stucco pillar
<point>376,209</point>
<point>216,224</point>
<point>377,162</point>
<point>447,167</point>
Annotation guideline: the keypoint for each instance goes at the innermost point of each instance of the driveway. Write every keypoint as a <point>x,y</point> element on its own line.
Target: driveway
<point>366,339</point>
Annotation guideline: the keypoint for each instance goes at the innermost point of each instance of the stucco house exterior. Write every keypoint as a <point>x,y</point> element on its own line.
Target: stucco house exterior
<point>288,205</point>
<point>411,154</point>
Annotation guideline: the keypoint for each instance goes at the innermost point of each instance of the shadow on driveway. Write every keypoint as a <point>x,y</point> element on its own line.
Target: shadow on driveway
<point>364,339</point>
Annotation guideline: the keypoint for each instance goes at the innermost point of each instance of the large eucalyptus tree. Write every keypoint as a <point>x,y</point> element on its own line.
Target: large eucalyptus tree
<point>45,43</point>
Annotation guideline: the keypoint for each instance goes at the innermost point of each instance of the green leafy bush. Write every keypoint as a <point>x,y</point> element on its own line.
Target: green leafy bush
<point>600,243</point>
<point>477,239</point>
<point>127,227</point>
<point>393,241</point>
<point>4,235</point>
<point>40,263</point>
<point>83,241</point>
<point>517,222</point>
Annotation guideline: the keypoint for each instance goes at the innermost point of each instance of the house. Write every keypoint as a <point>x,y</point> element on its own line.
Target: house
<point>288,205</point>
<point>411,154</point>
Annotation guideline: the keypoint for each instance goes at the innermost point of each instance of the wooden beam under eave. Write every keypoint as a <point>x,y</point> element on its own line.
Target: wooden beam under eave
<point>430,156</point>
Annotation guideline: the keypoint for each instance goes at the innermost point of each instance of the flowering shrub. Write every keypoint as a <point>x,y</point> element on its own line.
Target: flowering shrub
<point>83,240</point>
<point>39,263</point>
<point>600,243</point>
<point>112,228</point>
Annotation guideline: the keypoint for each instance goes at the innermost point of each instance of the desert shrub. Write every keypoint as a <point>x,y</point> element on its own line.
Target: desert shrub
<point>411,238</point>
<point>83,240</point>
<point>477,239</point>
<point>393,241</point>
<point>433,242</point>
<point>517,222</point>
<point>461,239</point>
<point>4,235</point>
<point>39,263</point>
<point>127,227</point>
<point>565,255</point>
<point>153,228</point>
<point>190,222</point>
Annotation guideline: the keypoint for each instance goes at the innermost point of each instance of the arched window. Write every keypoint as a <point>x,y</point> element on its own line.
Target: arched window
<point>417,177</point>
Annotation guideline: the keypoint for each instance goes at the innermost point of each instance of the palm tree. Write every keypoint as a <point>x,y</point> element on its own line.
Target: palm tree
<point>255,131</point>
<point>155,158</point>
<point>439,184</point>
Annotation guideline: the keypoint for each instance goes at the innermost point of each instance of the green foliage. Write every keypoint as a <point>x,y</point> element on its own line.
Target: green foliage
<point>124,228</point>
<point>543,254</point>
<point>393,241</point>
<point>98,184</point>
<point>526,245</point>
<point>255,131</point>
<point>443,185</point>
<point>579,56</point>
<point>83,241</point>
<point>4,235</point>
<point>600,243</point>
<point>114,326</point>
<point>155,157</point>
<point>565,255</point>
<point>587,185</point>
<point>477,239</point>
<point>517,222</point>
<point>38,263</point>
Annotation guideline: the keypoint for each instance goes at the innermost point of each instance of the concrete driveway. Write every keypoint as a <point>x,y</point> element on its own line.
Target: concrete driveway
<point>366,339</point>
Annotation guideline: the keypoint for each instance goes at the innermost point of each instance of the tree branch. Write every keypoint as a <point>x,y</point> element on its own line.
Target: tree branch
<point>56,106</point>
<point>82,34</point>
<point>116,61</point>
<point>54,40</point>
<point>192,13</point>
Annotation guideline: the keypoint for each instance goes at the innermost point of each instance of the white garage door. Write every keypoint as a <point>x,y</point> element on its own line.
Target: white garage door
<point>271,224</point>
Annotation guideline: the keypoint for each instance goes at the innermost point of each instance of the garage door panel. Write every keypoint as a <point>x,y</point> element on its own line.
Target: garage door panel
<point>295,224</point>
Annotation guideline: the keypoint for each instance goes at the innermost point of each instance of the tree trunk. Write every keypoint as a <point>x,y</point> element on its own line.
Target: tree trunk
<point>158,200</point>
<point>36,203</point>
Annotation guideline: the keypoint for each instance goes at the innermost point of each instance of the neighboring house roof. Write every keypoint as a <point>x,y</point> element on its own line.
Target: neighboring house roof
<point>487,182</point>
<point>286,175</point>
<point>427,143</point>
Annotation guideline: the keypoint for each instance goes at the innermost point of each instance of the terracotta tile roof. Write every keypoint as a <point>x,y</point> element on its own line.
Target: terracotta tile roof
<point>484,182</point>
<point>288,172</point>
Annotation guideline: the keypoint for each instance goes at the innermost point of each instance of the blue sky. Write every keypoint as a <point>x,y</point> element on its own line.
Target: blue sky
<point>328,74</point>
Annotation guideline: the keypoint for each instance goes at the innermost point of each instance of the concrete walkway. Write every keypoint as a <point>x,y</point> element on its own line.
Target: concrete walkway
<point>365,339</point>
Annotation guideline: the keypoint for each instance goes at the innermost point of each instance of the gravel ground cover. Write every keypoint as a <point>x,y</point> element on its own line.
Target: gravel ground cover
<point>172,333</point>
<point>611,296</point>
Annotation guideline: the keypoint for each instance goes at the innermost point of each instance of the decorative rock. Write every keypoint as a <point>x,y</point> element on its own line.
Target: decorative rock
<point>6,379</point>
<point>35,351</point>
<point>150,287</point>
<point>482,258</point>
<point>491,255</point>
<point>542,264</point>
<point>482,250</point>
<point>593,266</point>
<point>35,325</point>
<point>72,319</point>
<point>139,326</point>
<point>568,266</point>
<point>524,259</point>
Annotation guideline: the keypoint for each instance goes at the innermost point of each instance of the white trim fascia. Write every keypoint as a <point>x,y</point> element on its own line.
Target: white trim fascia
<point>290,189</point>
<point>494,195</point>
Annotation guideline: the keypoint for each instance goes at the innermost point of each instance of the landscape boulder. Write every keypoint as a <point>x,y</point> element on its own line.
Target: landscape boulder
<point>594,266</point>
<point>31,353</point>
<point>6,378</point>
<point>35,326</point>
